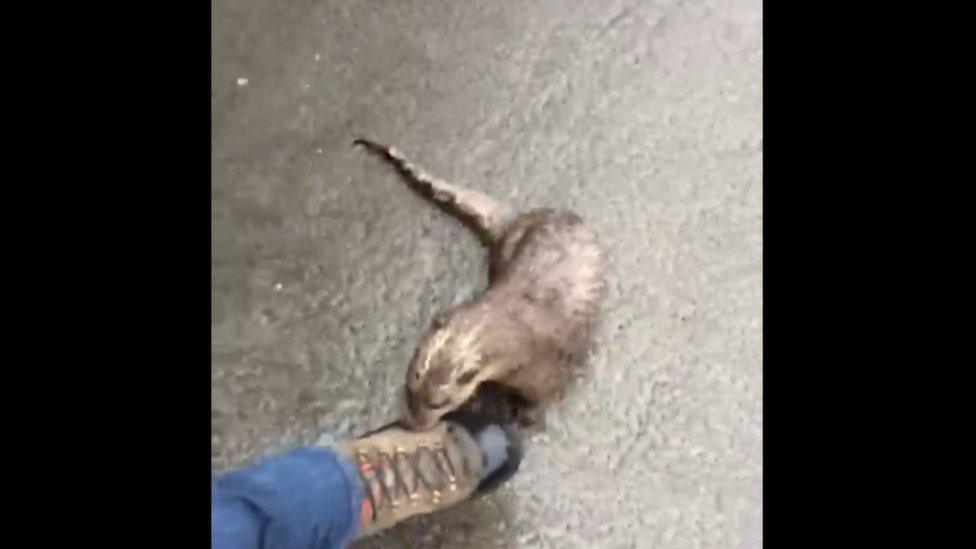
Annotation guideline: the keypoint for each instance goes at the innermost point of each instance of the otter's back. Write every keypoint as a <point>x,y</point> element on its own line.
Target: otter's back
<point>550,258</point>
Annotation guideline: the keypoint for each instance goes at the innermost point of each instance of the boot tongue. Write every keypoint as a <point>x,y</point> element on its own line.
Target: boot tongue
<point>494,449</point>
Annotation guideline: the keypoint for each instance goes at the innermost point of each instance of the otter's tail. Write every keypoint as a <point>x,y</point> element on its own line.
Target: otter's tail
<point>484,214</point>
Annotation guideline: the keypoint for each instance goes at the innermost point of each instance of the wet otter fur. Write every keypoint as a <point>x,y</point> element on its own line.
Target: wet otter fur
<point>529,329</point>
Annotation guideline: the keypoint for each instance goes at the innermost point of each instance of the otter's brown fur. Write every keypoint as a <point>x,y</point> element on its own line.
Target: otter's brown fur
<point>530,327</point>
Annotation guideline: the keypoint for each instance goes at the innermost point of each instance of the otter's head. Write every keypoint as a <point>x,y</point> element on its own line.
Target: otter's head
<point>445,370</point>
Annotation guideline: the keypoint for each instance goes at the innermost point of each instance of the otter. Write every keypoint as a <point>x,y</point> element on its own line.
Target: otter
<point>530,328</point>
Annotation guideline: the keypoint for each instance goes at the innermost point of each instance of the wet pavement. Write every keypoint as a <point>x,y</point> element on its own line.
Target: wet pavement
<point>643,117</point>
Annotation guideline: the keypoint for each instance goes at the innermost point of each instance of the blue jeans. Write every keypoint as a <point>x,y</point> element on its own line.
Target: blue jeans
<point>308,498</point>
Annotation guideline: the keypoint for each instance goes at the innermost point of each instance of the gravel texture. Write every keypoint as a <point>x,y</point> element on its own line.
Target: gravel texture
<point>643,117</point>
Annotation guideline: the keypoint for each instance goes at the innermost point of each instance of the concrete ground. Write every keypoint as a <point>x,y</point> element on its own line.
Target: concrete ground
<point>643,116</point>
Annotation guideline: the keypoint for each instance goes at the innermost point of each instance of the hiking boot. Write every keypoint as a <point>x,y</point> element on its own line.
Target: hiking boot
<point>406,473</point>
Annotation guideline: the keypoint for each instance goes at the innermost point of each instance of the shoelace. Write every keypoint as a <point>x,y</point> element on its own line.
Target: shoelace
<point>385,482</point>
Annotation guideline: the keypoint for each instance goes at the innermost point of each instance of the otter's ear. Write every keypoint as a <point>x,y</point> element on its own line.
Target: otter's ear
<point>440,320</point>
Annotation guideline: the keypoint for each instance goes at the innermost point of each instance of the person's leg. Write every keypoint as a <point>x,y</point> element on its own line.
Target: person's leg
<point>325,497</point>
<point>310,497</point>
